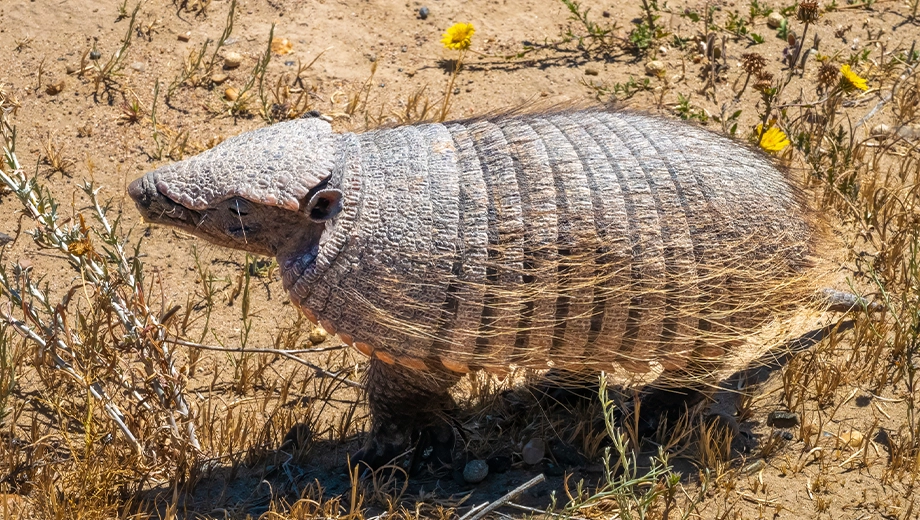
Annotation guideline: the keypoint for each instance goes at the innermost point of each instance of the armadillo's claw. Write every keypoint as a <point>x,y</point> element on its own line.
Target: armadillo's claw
<point>839,301</point>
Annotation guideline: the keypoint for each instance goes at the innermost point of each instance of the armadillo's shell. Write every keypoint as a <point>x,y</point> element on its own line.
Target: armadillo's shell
<point>575,239</point>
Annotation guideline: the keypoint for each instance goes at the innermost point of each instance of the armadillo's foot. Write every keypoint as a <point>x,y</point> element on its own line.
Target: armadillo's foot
<point>385,443</point>
<point>409,409</point>
<point>432,445</point>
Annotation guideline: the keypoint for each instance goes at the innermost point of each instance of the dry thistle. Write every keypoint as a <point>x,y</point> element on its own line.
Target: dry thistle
<point>54,157</point>
<point>827,75</point>
<point>753,63</point>
<point>807,12</point>
<point>764,82</point>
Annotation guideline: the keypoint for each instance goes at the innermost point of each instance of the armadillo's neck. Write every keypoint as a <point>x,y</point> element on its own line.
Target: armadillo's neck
<point>346,177</point>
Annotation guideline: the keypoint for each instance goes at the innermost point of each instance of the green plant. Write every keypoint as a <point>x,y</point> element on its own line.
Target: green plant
<point>642,36</point>
<point>284,104</point>
<point>596,37</point>
<point>782,32</point>
<point>685,110</point>
<point>240,103</point>
<point>105,73</point>
<point>190,71</point>
<point>629,490</point>
<point>738,26</point>
<point>167,142</point>
<point>620,91</point>
<point>758,10</point>
<point>8,362</point>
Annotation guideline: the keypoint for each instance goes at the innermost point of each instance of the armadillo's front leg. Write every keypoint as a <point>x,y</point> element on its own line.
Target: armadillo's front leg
<point>406,404</point>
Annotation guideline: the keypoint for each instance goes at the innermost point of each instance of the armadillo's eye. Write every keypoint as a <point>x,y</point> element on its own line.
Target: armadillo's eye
<point>238,207</point>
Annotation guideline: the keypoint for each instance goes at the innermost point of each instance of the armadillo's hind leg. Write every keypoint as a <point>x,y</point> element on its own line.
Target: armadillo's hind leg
<point>409,408</point>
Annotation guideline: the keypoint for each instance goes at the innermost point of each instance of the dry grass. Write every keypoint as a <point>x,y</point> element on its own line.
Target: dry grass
<point>117,402</point>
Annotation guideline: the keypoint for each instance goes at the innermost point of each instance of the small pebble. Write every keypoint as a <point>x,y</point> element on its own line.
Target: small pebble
<point>218,77</point>
<point>606,14</point>
<point>282,46</point>
<point>22,265</point>
<point>423,13</point>
<point>231,94</point>
<point>475,471</point>
<point>318,336</point>
<point>232,60</point>
<point>881,130</point>
<point>290,63</point>
<point>138,66</point>
<point>533,451</point>
<point>185,37</point>
<point>775,20</point>
<point>654,68</point>
<point>853,439</point>
<point>54,89</point>
<point>70,69</point>
<point>753,467</point>
<point>591,72</point>
<point>94,55</point>
<point>403,49</point>
<point>782,419</point>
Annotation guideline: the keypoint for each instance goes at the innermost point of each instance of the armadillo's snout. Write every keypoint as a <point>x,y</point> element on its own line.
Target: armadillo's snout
<point>143,191</point>
<point>157,207</point>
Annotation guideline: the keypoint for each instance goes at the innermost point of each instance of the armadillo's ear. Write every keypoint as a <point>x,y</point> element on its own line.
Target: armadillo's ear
<point>324,205</point>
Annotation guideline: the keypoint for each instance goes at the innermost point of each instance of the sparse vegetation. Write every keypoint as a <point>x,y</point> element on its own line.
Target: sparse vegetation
<point>196,70</point>
<point>141,378</point>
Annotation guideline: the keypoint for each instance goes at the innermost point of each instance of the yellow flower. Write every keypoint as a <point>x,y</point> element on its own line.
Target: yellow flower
<point>773,140</point>
<point>851,80</point>
<point>458,36</point>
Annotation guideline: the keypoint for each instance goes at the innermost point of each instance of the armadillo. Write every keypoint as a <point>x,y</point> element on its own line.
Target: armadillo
<point>581,240</point>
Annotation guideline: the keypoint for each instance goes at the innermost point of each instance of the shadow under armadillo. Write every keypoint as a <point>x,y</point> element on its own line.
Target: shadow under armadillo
<point>658,405</point>
<point>303,460</point>
<point>422,423</point>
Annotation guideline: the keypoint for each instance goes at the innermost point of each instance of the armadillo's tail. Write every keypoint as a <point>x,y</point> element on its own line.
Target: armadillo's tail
<point>840,301</point>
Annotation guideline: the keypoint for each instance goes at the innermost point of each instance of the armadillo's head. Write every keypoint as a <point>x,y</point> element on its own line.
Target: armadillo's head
<point>264,191</point>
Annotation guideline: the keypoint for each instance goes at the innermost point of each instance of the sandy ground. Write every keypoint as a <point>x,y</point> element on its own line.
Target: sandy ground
<point>42,43</point>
